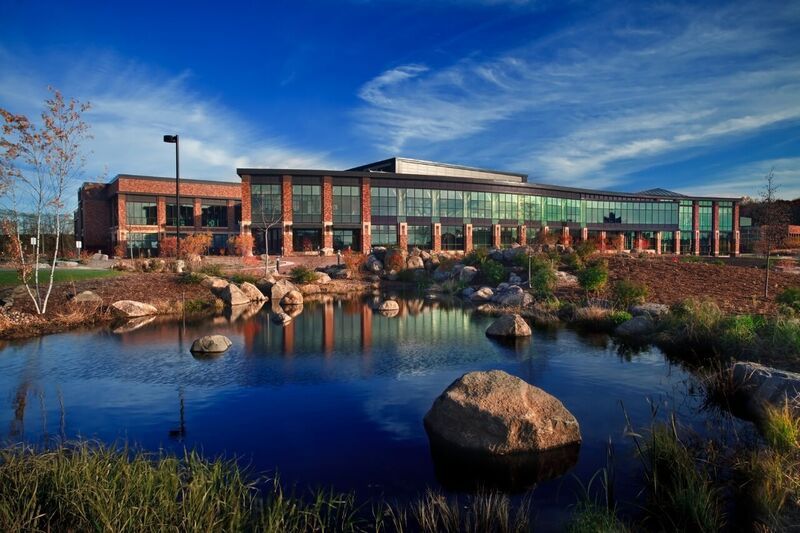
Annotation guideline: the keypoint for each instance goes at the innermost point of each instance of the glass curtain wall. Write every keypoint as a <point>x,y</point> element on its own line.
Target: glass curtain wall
<point>346,204</point>
<point>452,237</point>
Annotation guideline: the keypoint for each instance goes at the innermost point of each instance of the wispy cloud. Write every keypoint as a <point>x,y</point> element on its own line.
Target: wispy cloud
<point>749,179</point>
<point>133,106</point>
<point>600,100</point>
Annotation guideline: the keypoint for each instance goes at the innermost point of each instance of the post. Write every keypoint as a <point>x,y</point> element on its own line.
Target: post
<point>177,201</point>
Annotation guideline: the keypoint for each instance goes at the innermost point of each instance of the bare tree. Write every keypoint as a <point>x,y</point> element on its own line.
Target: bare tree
<point>269,215</point>
<point>773,218</point>
<point>37,165</point>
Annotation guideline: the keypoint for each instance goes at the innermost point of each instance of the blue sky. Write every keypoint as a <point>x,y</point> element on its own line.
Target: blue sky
<point>699,99</point>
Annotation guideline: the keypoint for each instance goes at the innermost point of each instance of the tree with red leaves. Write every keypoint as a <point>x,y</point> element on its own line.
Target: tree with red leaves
<point>38,164</point>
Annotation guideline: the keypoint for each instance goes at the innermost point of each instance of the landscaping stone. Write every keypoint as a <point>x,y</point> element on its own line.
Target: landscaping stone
<point>265,284</point>
<point>67,264</point>
<point>309,289</point>
<point>293,297</point>
<point>512,295</point>
<point>467,274</point>
<point>233,295</point>
<point>214,284</point>
<point>280,288</point>
<point>762,386</point>
<point>340,273</point>
<point>132,309</point>
<point>415,262</point>
<point>322,279</point>
<point>252,292</point>
<point>441,274</point>
<point>565,279</point>
<point>87,297</point>
<point>509,326</point>
<point>211,344</point>
<point>652,310</point>
<point>467,292</point>
<point>637,327</point>
<point>514,279</point>
<point>293,310</point>
<point>484,294</point>
<point>495,413</point>
<point>99,257</point>
<point>373,264</point>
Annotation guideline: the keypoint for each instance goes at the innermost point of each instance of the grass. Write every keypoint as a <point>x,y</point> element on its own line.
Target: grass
<point>240,278</point>
<point>302,274</point>
<point>593,518</point>
<point>10,277</point>
<point>83,486</point>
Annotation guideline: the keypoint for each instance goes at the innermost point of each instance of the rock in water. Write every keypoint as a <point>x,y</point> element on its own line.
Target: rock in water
<point>211,344</point>
<point>496,413</point>
<point>233,295</point>
<point>280,288</point>
<point>132,309</point>
<point>293,297</point>
<point>509,326</point>
<point>252,292</point>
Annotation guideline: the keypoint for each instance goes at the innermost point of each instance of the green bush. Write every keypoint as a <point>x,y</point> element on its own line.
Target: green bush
<point>593,277</point>
<point>190,278</point>
<point>240,278</point>
<point>585,248</point>
<point>492,272</point>
<point>691,259</point>
<point>211,269</point>
<point>618,317</point>
<point>738,332</point>
<point>628,293</point>
<point>791,298</point>
<point>543,277</point>
<point>572,261</point>
<point>302,274</point>
<point>476,257</point>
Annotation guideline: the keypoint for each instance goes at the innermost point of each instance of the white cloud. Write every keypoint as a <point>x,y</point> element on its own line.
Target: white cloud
<point>133,107</point>
<point>602,100</point>
<point>748,179</point>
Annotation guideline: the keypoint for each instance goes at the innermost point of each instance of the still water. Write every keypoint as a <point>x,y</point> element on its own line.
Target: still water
<point>336,398</point>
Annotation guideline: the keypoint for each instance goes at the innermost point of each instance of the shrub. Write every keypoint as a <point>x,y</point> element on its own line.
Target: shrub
<point>590,517</point>
<point>585,248</point>
<point>167,246</point>
<point>242,278</point>
<point>790,297</point>
<point>781,428</point>
<point>476,257</point>
<point>302,274</point>
<point>354,261</point>
<point>543,277</point>
<point>211,269</point>
<point>394,261</point>
<point>241,244</point>
<point>738,333</point>
<point>628,293</point>
<point>618,317</point>
<point>190,278</point>
<point>196,244</point>
<point>453,286</point>
<point>593,277</point>
<point>572,261</point>
<point>493,272</point>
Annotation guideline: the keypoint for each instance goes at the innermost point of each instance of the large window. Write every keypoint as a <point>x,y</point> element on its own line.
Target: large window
<point>383,201</point>
<point>452,237</point>
<point>306,240</point>
<point>572,210</point>
<point>346,239</point>
<point>509,235</point>
<point>685,216</point>
<point>419,236</point>
<point>614,212</point>
<point>384,235</point>
<point>346,204</point>
<point>481,236</point>
<point>532,208</point>
<point>306,203</point>
<point>418,202</point>
<point>480,205</point>
<point>725,216</point>
<point>451,204</point>
<point>140,213</point>
<point>507,206</point>
<point>553,210</point>
<point>705,215</point>
<point>142,244</point>
<point>265,202</point>
<point>214,215</point>
<point>187,214</point>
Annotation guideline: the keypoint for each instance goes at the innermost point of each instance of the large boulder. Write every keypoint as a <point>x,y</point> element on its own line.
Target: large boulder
<point>340,273</point>
<point>637,327</point>
<point>233,295</point>
<point>322,279</point>
<point>310,289</point>
<point>214,284</point>
<point>252,292</point>
<point>100,257</point>
<point>512,296</point>
<point>467,274</point>
<point>293,297</point>
<point>132,309</point>
<point>395,259</point>
<point>211,344</point>
<point>87,297</point>
<point>652,310</point>
<point>280,289</point>
<point>265,284</point>
<point>484,294</point>
<point>761,386</point>
<point>509,326</point>
<point>495,413</point>
<point>373,264</point>
<point>565,279</point>
<point>415,262</point>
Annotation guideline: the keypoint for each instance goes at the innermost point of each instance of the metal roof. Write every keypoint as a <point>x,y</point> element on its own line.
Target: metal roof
<point>664,193</point>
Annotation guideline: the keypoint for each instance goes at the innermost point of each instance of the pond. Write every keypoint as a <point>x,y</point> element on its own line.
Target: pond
<point>336,398</point>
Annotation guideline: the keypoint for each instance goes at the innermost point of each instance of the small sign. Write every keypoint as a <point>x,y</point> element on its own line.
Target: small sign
<point>33,241</point>
<point>78,245</point>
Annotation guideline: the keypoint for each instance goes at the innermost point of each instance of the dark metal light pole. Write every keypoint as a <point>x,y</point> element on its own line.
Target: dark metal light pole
<point>174,139</point>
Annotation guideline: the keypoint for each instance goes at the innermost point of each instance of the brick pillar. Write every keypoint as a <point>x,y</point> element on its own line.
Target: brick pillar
<point>366,215</point>
<point>161,212</point>
<point>676,236</point>
<point>327,214</point>
<point>735,247</point>
<point>287,213</point>
<point>565,237</point>
<point>468,238</point>
<point>402,237</point>
<point>496,236</point>
<point>437,237</point>
<point>545,230</point>
<point>584,234</point>
<point>198,214</point>
<point>658,243</point>
<point>715,228</point>
<point>637,245</point>
<point>327,238</point>
<point>522,233</point>
<point>247,205</point>
<point>696,227</point>
<point>602,241</point>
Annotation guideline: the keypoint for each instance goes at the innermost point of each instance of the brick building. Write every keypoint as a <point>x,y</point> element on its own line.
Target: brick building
<point>137,211</point>
<point>407,202</point>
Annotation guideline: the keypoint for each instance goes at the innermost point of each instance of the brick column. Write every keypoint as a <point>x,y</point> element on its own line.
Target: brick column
<point>584,234</point>
<point>602,241</point>
<point>715,228</point>
<point>402,237</point>
<point>327,214</point>
<point>736,234</point>
<point>658,243</point>
<point>522,233</point>
<point>437,237</point>
<point>286,212</point>
<point>161,213</point>
<point>468,238</point>
<point>696,227</point>
<point>637,245</point>
<point>676,236</point>
<point>366,215</point>
<point>247,206</point>
<point>198,214</point>
<point>496,236</point>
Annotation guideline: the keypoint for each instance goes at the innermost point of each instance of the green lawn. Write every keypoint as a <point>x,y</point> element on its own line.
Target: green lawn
<point>9,277</point>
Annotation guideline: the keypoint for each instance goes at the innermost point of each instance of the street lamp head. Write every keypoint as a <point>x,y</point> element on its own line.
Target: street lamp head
<point>170,139</point>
